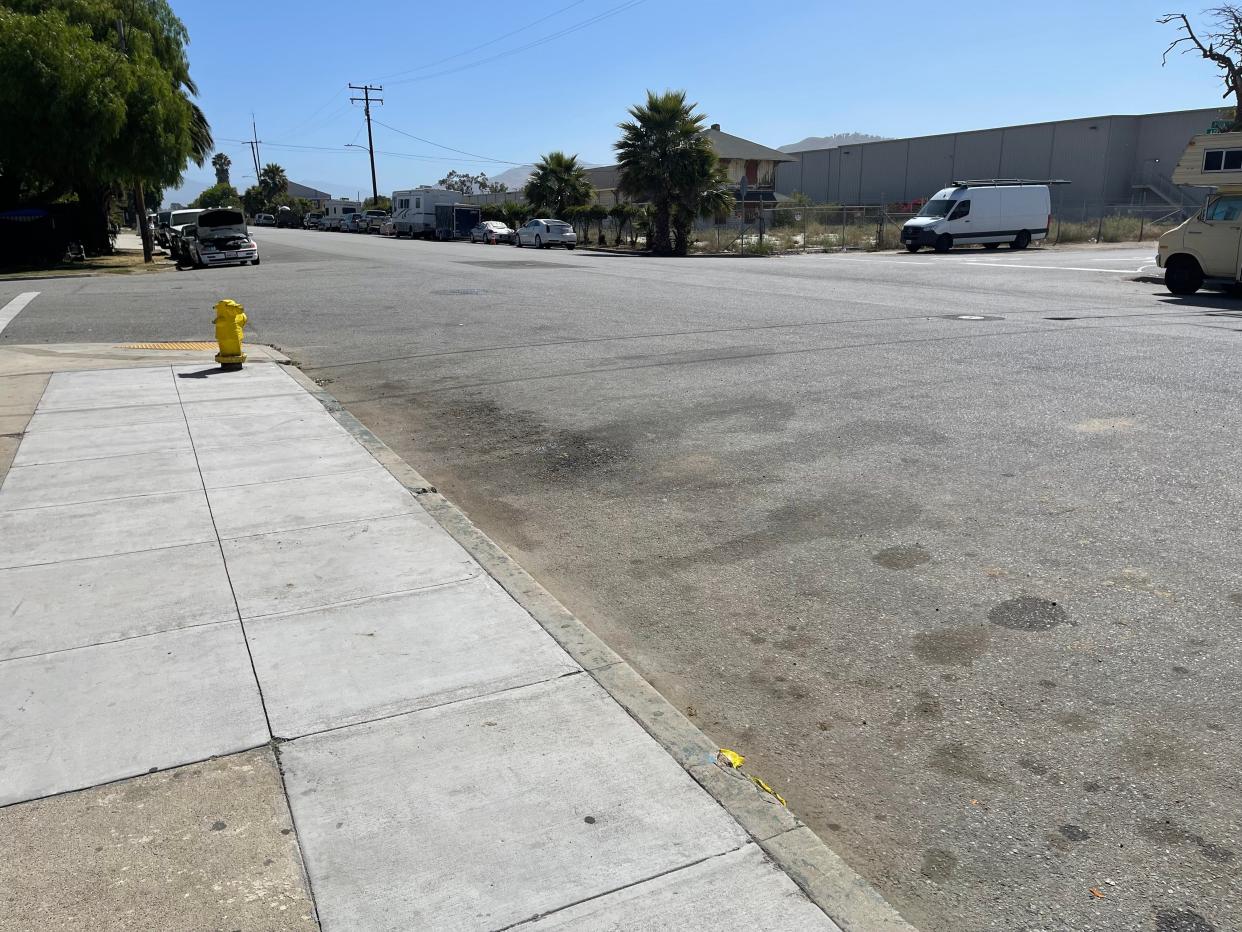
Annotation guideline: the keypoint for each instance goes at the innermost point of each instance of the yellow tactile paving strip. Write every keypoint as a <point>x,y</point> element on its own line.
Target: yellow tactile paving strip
<point>184,345</point>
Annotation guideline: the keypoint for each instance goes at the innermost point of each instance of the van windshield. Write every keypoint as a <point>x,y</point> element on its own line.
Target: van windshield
<point>937,208</point>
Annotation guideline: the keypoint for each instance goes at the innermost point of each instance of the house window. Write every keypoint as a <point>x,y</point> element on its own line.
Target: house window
<point>1222,160</point>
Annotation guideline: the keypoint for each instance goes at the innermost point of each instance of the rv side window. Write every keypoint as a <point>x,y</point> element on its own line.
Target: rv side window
<point>1226,160</point>
<point>961,210</point>
<point>403,202</point>
<point>418,203</point>
<point>1224,208</point>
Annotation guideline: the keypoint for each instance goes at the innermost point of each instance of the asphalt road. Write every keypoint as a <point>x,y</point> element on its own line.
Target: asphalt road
<point>947,546</point>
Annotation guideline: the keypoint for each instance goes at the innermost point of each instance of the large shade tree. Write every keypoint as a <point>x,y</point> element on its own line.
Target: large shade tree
<point>558,183</point>
<point>112,84</point>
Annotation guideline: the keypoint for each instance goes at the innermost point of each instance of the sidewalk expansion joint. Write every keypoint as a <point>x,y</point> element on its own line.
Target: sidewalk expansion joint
<point>624,886</point>
<point>436,705</point>
<point>121,640</point>
<point>367,598</point>
<point>133,776</point>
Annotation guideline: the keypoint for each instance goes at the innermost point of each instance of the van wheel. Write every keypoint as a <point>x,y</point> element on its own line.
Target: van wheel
<point>991,245</point>
<point>1183,276</point>
<point>944,242</point>
<point>1021,241</point>
<point>912,247</point>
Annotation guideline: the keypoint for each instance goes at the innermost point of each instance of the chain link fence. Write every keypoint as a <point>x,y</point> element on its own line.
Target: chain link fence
<point>877,228</point>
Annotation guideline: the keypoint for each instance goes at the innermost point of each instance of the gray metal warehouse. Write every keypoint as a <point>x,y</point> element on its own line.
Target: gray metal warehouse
<point>1119,159</point>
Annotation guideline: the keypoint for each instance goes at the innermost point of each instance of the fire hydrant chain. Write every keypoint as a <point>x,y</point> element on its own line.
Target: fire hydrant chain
<point>230,327</point>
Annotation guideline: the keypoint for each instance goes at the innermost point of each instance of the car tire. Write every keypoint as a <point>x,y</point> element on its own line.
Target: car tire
<point>944,242</point>
<point>991,245</point>
<point>1183,276</point>
<point>538,241</point>
<point>254,261</point>
<point>912,247</point>
<point>569,245</point>
<point>1022,240</point>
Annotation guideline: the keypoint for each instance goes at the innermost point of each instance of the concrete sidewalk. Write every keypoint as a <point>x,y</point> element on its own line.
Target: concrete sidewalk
<point>249,679</point>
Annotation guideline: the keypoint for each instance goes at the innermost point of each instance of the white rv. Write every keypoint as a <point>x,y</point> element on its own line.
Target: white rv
<point>336,213</point>
<point>986,212</point>
<point>1208,246</point>
<point>414,210</point>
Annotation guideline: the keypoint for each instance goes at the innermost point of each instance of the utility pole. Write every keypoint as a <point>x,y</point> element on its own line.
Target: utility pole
<point>366,99</point>
<point>140,201</point>
<point>253,143</point>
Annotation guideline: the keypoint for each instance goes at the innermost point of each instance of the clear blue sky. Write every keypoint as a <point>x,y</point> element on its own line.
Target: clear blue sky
<point>771,72</point>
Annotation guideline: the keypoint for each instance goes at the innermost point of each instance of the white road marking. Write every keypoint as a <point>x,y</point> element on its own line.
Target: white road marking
<point>14,307</point>
<point>1055,268</point>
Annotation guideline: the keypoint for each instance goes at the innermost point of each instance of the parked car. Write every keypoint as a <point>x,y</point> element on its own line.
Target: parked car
<point>287,219</point>
<point>355,223</point>
<point>264,220</point>
<point>326,223</point>
<point>220,237</point>
<point>177,222</point>
<point>491,231</point>
<point>311,220</point>
<point>543,234</point>
<point>984,212</point>
<point>374,218</point>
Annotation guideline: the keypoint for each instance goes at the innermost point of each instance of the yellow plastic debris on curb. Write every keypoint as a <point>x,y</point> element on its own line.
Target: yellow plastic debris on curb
<point>735,760</point>
<point>767,789</point>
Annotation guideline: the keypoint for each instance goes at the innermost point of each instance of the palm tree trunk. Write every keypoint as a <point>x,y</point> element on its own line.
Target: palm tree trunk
<point>660,243</point>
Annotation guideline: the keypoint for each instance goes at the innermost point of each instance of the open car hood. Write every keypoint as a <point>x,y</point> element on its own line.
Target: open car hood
<point>221,222</point>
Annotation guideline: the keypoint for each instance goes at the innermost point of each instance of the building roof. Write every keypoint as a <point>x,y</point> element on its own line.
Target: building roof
<point>301,190</point>
<point>735,147</point>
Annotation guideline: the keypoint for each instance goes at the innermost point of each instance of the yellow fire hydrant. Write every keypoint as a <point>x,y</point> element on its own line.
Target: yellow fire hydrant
<point>230,326</point>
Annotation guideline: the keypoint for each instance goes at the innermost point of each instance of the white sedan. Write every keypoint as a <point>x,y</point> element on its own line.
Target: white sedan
<point>220,238</point>
<point>543,234</point>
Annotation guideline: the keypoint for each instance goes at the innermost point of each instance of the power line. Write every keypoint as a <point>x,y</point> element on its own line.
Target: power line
<point>367,100</point>
<point>484,45</point>
<point>318,110</point>
<point>449,148</point>
<point>621,8</point>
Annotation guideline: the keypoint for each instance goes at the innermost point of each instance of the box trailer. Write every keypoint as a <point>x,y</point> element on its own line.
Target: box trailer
<point>414,210</point>
<point>455,221</point>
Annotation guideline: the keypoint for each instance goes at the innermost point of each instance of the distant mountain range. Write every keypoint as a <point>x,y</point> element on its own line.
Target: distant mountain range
<point>829,142</point>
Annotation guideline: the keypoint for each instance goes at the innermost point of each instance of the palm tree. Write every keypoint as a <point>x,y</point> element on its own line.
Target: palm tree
<point>703,190</point>
<point>557,183</point>
<point>221,163</point>
<point>623,214</point>
<point>651,143</point>
<point>513,214</point>
<point>273,180</point>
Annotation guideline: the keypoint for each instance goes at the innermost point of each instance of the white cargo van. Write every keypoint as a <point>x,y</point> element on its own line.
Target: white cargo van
<point>1207,247</point>
<point>987,212</point>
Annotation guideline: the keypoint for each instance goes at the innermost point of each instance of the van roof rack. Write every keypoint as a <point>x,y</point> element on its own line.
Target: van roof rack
<point>998,182</point>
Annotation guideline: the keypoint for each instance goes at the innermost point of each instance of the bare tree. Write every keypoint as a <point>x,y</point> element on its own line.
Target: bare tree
<point>1221,45</point>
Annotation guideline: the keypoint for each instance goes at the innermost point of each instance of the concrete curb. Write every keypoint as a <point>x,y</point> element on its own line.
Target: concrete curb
<point>848,899</point>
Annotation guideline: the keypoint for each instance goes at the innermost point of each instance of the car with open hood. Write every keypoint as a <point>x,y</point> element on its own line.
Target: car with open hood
<point>220,237</point>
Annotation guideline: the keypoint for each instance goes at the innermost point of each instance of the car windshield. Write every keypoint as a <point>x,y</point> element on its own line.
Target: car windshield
<point>182,216</point>
<point>494,224</point>
<point>937,208</point>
